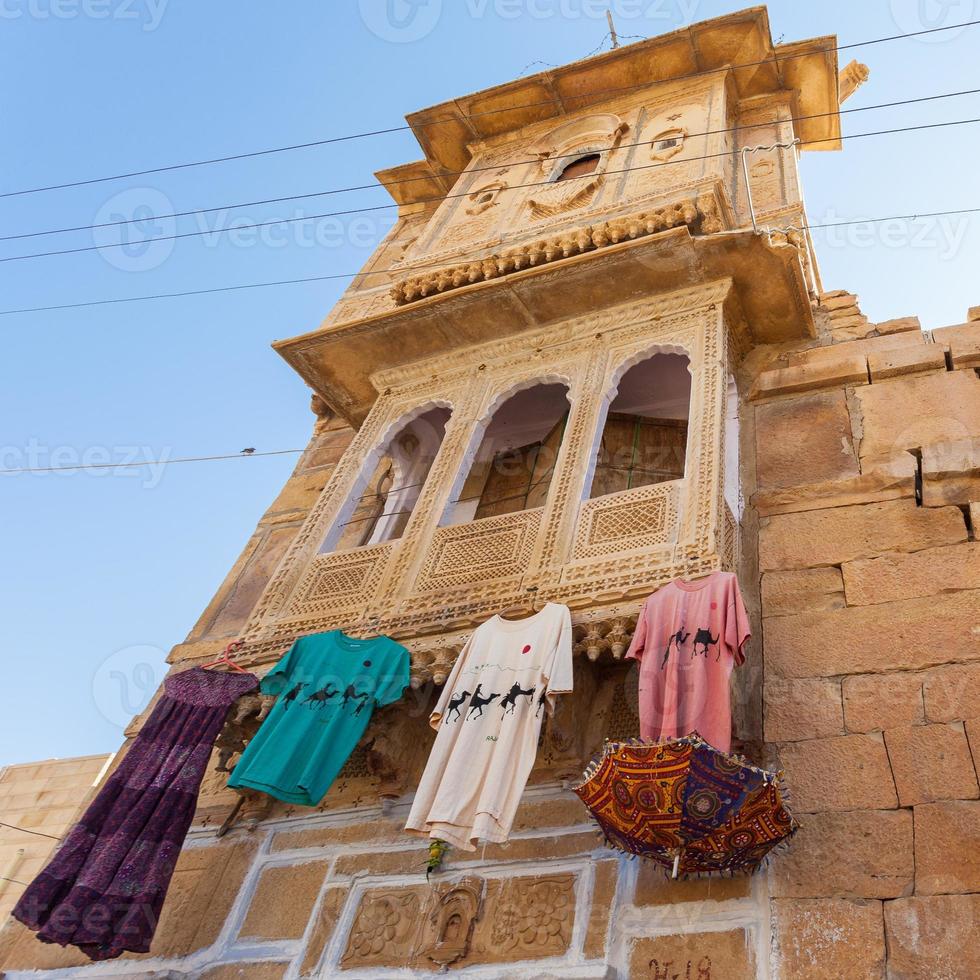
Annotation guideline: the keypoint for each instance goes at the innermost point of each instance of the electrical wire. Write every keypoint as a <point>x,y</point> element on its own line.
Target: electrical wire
<point>14,880</point>
<point>24,830</point>
<point>775,60</point>
<point>353,275</point>
<point>145,462</point>
<point>459,173</point>
<point>446,197</point>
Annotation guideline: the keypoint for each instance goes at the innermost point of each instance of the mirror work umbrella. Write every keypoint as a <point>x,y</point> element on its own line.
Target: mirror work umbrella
<point>685,805</point>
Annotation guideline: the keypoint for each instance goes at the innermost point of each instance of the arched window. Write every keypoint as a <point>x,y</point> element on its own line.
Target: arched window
<point>515,458</point>
<point>580,168</point>
<point>644,439</point>
<point>389,485</point>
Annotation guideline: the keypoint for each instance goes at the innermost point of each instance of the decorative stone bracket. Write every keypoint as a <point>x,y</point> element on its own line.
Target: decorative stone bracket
<point>702,214</point>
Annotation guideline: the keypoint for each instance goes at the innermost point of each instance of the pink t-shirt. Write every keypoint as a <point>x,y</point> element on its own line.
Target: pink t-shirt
<point>688,638</point>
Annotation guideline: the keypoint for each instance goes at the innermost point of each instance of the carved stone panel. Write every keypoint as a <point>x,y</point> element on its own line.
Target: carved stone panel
<point>385,931</point>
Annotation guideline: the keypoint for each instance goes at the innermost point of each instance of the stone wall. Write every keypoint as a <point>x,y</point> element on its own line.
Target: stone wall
<point>867,487</point>
<point>40,797</point>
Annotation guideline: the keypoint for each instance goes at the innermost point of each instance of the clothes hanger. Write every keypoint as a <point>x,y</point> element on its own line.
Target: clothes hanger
<point>226,660</point>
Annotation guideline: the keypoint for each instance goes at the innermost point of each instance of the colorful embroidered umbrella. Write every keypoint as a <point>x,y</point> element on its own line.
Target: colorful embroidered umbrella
<point>686,805</point>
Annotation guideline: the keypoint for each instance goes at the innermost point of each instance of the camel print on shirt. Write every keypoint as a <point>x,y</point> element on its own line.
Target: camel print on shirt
<point>488,720</point>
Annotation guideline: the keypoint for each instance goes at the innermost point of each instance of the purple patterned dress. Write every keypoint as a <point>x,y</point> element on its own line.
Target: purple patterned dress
<point>104,888</point>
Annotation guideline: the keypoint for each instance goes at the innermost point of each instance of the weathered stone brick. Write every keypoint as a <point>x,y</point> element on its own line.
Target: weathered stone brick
<point>838,299</point>
<point>906,361</point>
<point>376,831</point>
<point>867,345</point>
<point>874,702</point>
<point>281,905</point>
<point>911,413</point>
<point>899,325</point>
<point>872,580</point>
<point>653,887</point>
<point>538,814</point>
<point>952,692</point>
<point>603,899</point>
<point>727,954</point>
<point>846,773</point>
<point>951,473</point>
<point>933,936</point>
<point>963,342</point>
<point>894,481</point>
<point>840,534</point>
<point>930,763</point>
<point>326,921</point>
<point>973,314</point>
<point>947,855</point>
<point>246,971</point>
<point>846,369</point>
<point>802,708</point>
<point>863,854</point>
<point>818,589</point>
<point>804,440</point>
<point>906,635</point>
<point>824,938</point>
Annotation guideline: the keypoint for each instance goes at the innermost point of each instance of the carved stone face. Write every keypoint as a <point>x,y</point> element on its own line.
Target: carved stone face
<point>484,197</point>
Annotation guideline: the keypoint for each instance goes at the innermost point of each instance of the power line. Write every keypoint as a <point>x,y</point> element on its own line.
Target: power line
<point>354,275</point>
<point>14,880</point>
<point>775,60</point>
<point>446,197</point>
<point>470,170</point>
<point>24,830</point>
<point>146,462</point>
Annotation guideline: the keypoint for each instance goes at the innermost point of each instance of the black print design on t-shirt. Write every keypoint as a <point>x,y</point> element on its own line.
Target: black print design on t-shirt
<point>477,702</point>
<point>509,702</point>
<point>704,639</point>
<point>321,697</point>
<point>542,697</point>
<point>454,704</point>
<point>679,639</point>
<point>292,694</point>
<point>351,695</point>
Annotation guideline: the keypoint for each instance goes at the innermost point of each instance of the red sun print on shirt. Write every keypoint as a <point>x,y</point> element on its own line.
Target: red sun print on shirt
<point>527,648</point>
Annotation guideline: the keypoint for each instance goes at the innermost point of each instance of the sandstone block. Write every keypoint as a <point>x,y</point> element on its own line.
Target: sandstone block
<point>809,588</point>
<point>838,299</point>
<point>377,831</point>
<point>804,440</point>
<point>872,580</point>
<point>899,325</point>
<point>840,534</point>
<point>326,921</point>
<point>951,473</point>
<point>301,491</point>
<point>893,481</point>
<point>722,954</point>
<point>603,899</point>
<point>930,763</point>
<point>874,702</point>
<point>829,939</point>
<point>863,854</point>
<point>654,888</point>
<point>933,937</point>
<point>846,773</point>
<point>952,692</point>
<point>246,971</point>
<point>911,413</point>
<point>947,858</point>
<point>538,814</point>
<point>815,355</point>
<point>281,905</point>
<point>906,361</point>
<point>803,708</point>
<point>847,369</point>
<point>906,635</point>
<point>963,342</point>
<point>973,314</point>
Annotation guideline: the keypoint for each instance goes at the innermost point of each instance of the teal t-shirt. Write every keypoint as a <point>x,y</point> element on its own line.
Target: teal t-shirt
<point>329,685</point>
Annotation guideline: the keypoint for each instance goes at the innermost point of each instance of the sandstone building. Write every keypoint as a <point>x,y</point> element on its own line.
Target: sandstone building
<point>591,357</point>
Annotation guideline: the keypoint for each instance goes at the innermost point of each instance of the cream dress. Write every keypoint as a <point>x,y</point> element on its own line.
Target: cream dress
<point>488,721</point>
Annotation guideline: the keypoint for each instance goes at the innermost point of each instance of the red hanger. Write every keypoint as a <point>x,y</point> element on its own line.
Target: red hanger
<point>225,660</point>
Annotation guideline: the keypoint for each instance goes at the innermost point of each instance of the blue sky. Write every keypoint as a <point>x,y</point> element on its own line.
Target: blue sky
<point>101,574</point>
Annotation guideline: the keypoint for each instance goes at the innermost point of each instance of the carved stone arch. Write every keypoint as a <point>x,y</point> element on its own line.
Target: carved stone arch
<point>611,390</point>
<point>495,400</point>
<point>388,432</point>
